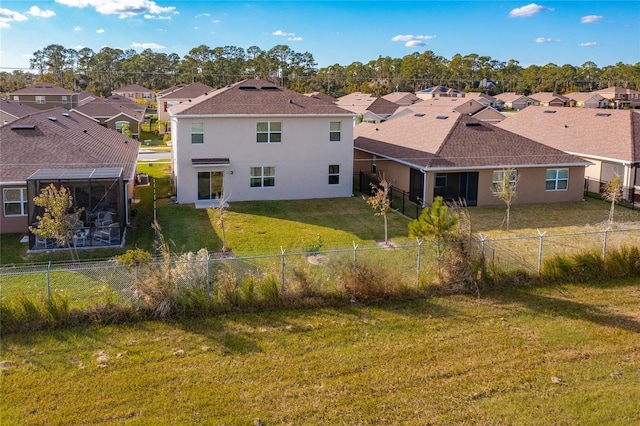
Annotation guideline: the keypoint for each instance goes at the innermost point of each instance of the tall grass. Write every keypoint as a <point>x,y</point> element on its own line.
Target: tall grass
<point>160,297</point>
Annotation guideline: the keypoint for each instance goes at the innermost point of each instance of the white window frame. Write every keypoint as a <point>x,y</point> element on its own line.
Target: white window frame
<point>22,201</point>
<point>41,99</point>
<point>273,131</point>
<point>335,134</point>
<point>119,125</point>
<point>64,100</point>
<point>262,177</point>
<point>334,174</point>
<point>555,180</point>
<point>498,176</point>
<point>197,132</point>
<point>440,177</point>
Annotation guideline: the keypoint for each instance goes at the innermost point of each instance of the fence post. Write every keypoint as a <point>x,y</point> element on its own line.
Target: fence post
<point>208,276</point>
<point>355,257</point>
<point>282,270</point>
<point>49,281</point>
<point>604,243</point>
<point>420,241</point>
<point>541,235</point>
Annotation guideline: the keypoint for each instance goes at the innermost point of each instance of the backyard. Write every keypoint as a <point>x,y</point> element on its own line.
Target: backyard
<point>566,354</point>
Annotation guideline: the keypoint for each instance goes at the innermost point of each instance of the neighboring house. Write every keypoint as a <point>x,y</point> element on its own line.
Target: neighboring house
<point>135,92</point>
<point>402,98</point>
<point>65,148</point>
<point>254,140</point>
<point>437,92</point>
<point>86,97</point>
<point>371,108</point>
<point>113,115</point>
<point>178,94</point>
<point>587,100</point>
<point>619,97</point>
<point>484,99</point>
<point>12,110</point>
<point>608,138</point>
<point>322,96</point>
<point>466,106</point>
<point>444,153</point>
<point>550,99</point>
<point>45,96</point>
<point>512,100</point>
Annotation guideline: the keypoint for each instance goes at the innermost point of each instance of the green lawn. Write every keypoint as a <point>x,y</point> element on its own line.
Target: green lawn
<point>547,355</point>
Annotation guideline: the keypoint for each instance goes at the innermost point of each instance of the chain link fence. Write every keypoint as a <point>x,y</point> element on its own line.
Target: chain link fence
<point>218,276</point>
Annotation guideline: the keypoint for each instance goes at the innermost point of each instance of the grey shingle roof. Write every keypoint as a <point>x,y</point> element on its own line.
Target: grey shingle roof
<point>43,89</point>
<point>15,109</point>
<point>58,138</point>
<point>186,91</point>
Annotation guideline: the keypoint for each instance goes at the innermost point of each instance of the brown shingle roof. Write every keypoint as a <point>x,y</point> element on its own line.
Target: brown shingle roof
<point>432,141</point>
<point>132,88</point>
<point>107,108</point>
<point>613,134</point>
<point>43,89</point>
<point>15,108</point>
<point>256,97</point>
<point>61,139</point>
<point>188,91</point>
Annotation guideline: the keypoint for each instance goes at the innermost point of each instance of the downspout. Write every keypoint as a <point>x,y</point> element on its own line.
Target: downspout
<point>424,188</point>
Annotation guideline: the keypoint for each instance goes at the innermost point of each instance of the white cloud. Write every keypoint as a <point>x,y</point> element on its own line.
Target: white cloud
<point>122,8</point>
<point>155,46</point>
<point>413,40</point>
<point>77,28</point>
<point>591,19</point>
<point>589,44</point>
<point>216,21</point>
<point>158,17</point>
<point>7,16</point>
<point>100,31</point>
<point>36,11</point>
<point>528,10</point>
<point>203,14</point>
<point>295,39</point>
<point>281,33</point>
<point>542,40</point>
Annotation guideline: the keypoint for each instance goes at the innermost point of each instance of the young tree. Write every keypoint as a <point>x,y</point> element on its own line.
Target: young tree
<point>434,223</point>
<point>59,216</point>
<point>505,188</point>
<point>613,193</point>
<point>221,211</point>
<point>381,202</point>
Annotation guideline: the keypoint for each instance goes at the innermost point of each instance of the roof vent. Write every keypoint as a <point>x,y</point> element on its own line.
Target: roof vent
<point>442,117</point>
<point>419,114</point>
<point>84,131</point>
<point>602,114</point>
<point>269,88</point>
<point>23,127</point>
<point>65,114</point>
<point>52,118</point>
<point>548,111</point>
<point>247,87</point>
<point>472,124</point>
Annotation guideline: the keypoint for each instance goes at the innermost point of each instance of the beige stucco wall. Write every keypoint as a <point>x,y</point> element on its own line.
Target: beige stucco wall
<point>301,160</point>
<point>12,224</point>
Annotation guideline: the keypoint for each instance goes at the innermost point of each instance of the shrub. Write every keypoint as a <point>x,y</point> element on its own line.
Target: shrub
<point>623,262</point>
<point>370,283</point>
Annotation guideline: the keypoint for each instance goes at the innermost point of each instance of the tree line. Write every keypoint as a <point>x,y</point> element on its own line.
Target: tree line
<point>109,69</point>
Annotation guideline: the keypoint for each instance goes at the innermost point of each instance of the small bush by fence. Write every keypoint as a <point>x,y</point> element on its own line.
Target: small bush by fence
<point>202,282</point>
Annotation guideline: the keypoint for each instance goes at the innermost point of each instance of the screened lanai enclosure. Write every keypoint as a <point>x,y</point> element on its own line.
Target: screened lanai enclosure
<point>100,194</point>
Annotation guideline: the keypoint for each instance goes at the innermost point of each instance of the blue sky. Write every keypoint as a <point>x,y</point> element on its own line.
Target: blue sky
<point>541,32</point>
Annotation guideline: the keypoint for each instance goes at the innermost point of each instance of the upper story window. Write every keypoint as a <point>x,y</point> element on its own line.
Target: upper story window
<point>16,98</point>
<point>334,131</point>
<point>334,174</point>
<point>557,180</point>
<point>499,179</point>
<point>40,100</point>
<point>64,99</point>
<point>269,132</point>
<point>146,95</point>
<point>14,201</point>
<point>197,133</point>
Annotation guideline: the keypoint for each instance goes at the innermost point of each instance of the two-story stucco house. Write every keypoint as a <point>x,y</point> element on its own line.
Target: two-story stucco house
<point>178,94</point>
<point>45,96</point>
<point>254,140</point>
<point>136,92</point>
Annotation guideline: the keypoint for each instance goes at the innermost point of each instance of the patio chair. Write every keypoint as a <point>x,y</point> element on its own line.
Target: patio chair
<point>43,243</point>
<point>104,219</point>
<point>109,235</point>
